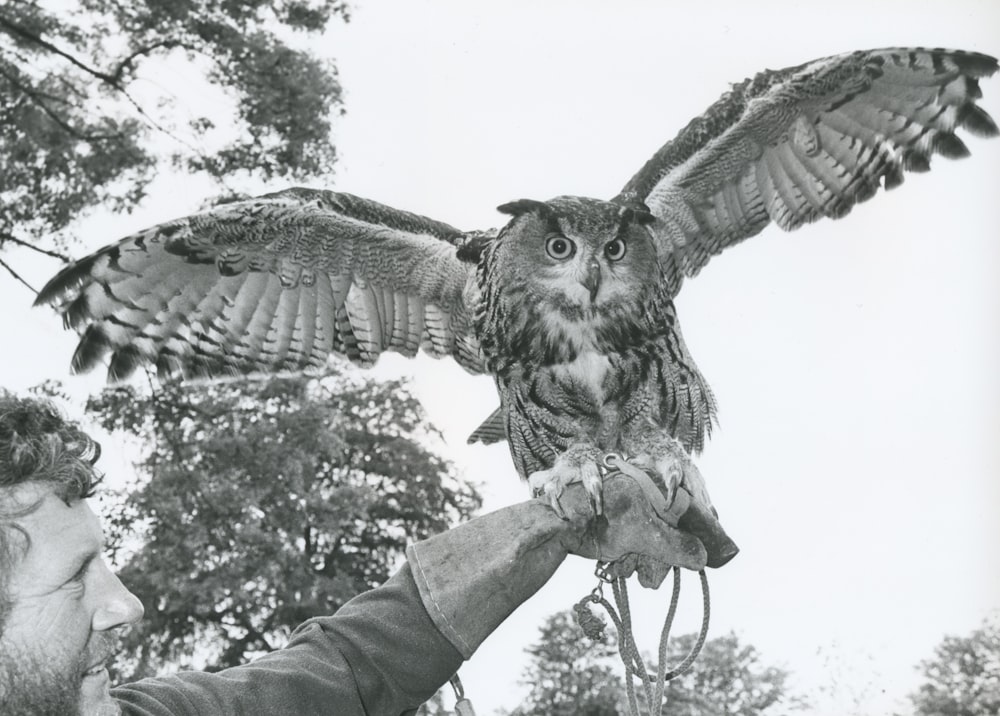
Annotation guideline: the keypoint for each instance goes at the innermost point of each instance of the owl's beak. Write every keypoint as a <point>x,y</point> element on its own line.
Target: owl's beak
<point>592,278</point>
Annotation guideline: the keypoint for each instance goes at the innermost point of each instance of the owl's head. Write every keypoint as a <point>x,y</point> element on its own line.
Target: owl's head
<point>578,254</point>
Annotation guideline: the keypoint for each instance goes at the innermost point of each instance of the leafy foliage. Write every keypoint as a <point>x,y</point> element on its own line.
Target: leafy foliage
<point>570,675</point>
<point>264,503</point>
<point>728,679</point>
<point>435,706</point>
<point>963,678</point>
<point>84,111</point>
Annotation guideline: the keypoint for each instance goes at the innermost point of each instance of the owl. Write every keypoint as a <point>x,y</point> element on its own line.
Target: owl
<point>575,322</point>
<point>569,306</point>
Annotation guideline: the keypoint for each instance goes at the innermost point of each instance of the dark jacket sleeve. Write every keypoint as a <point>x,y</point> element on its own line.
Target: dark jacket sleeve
<point>388,650</point>
<point>379,654</point>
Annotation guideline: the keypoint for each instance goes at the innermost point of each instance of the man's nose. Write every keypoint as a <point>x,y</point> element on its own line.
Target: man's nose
<point>116,605</point>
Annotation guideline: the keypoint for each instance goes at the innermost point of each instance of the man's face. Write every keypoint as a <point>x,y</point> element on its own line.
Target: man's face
<point>66,607</point>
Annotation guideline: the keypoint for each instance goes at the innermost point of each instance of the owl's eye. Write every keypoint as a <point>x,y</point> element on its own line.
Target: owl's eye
<point>559,247</point>
<point>615,250</point>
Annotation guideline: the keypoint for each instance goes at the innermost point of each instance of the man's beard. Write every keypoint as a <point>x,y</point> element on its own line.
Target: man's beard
<point>31,685</point>
<point>40,684</point>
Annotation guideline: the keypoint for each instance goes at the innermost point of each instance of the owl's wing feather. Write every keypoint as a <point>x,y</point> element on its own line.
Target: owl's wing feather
<point>271,284</point>
<point>810,141</point>
<point>492,430</point>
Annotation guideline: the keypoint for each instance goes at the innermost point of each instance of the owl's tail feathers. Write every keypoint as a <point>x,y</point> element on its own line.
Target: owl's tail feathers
<point>491,431</point>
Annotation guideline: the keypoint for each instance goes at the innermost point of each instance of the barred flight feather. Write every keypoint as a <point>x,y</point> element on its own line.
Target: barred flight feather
<point>270,284</point>
<point>811,141</point>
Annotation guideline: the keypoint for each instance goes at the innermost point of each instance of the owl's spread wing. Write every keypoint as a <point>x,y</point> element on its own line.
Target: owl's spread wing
<point>805,142</point>
<point>270,284</point>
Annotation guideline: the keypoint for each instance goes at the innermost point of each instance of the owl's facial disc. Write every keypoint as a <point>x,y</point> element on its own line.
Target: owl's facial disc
<point>562,250</point>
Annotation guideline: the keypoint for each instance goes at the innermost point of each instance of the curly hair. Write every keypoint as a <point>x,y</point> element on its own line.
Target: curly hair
<point>37,445</point>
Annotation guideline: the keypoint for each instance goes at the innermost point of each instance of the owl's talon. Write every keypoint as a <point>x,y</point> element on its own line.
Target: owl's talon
<point>593,483</point>
<point>596,502</point>
<point>674,481</point>
<point>546,483</point>
<point>553,492</point>
<point>666,458</point>
<point>578,464</point>
<point>595,495</point>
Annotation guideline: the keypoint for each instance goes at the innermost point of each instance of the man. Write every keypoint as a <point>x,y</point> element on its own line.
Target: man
<point>385,652</point>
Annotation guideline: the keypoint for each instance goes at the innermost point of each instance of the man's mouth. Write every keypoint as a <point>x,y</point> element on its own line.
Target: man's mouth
<point>100,666</point>
<point>103,649</point>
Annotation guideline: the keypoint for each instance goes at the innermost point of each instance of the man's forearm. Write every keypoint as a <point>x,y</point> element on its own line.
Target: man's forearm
<point>388,649</point>
<point>379,654</point>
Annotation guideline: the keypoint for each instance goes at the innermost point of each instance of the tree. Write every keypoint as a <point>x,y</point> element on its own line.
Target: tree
<point>963,678</point>
<point>568,674</point>
<point>86,120</point>
<point>728,679</point>
<point>435,706</point>
<point>262,503</point>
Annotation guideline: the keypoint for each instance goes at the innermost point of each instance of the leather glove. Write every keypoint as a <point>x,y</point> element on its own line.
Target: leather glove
<point>473,576</point>
<point>647,528</point>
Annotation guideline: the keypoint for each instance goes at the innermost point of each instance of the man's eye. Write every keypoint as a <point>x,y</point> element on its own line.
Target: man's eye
<point>78,579</point>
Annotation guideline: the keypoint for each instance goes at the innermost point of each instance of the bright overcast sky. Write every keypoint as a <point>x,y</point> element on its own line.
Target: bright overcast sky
<point>857,462</point>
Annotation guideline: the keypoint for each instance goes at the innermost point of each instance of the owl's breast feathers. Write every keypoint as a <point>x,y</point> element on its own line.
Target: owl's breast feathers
<point>521,330</point>
<point>569,373</point>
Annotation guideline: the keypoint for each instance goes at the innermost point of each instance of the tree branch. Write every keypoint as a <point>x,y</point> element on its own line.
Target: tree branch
<point>37,100</point>
<point>143,52</point>
<point>16,275</point>
<point>13,28</point>
<point>113,80</point>
<point>4,238</point>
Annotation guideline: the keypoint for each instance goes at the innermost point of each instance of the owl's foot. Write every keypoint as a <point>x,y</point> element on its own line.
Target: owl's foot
<point>577,464</point>
<point>666,457</point>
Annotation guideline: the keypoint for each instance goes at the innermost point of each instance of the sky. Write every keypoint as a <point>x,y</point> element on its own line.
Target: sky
<point>856,462</point>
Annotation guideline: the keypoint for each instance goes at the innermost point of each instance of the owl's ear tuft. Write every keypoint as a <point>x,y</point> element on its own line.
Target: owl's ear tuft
<point>523,206</point>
